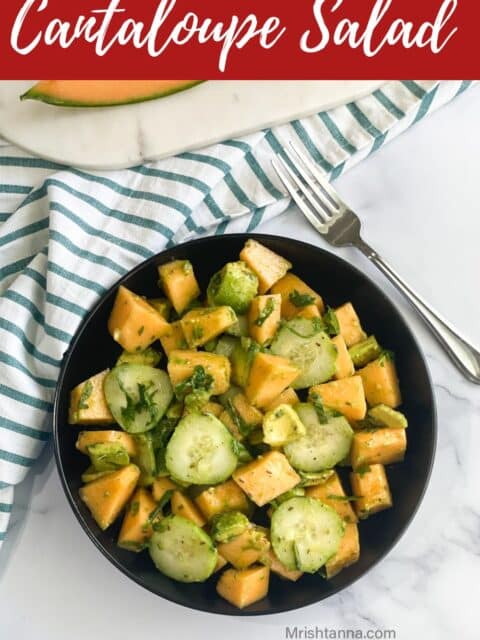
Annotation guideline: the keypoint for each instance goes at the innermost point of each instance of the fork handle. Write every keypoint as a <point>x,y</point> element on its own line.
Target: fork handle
<point>465,357</point>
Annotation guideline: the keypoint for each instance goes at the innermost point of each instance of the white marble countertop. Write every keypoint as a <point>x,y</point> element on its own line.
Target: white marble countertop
<point>419,201</point>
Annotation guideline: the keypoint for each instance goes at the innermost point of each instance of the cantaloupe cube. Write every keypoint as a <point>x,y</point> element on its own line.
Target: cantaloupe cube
<point>202,325</point>
<point>87,438</point>
<point>182,364</point>
<point>380,382</point>
<point>267,265</point>
<point>173,338</point>
<point>280,569</point>
<point>88,404</point>
<point>382,446</point>
<point>288,396</point>
<point>309,312</point>
<point>134,323</point>
<point>179,283</point>
<point>136,528</point>
<point>231,425</point>
<point>348,552</point>
<point>244,587</point>
<point>346,395</point>
<point>249,415</point>
<point>350,327</point>
<point>331,492</point>
<point>245,549</point>
<point>294,290</point>
<point>343,366</point>
<point>183,506</point>
<point>107,496</point>
<point>220,498</point>
<point>269,376</point>
<point>264,318</point>
<point>266,477</point>
<point>370,485</point>
<point>161,486</point>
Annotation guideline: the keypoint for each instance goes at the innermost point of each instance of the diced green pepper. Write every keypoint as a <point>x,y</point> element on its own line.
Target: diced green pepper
<point>108,456</point>
<point>235,286</point>
<point>364,352</point>
<point>226,526</point>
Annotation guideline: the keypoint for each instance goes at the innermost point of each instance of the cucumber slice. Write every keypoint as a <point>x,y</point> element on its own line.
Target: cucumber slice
<point>323,445</point>
<point>201,450</point>
<point>225,346</point>
<point>138,396</point>
<point>145,458</point>
<point>302,341</point>
<point>182,550</point>
<point>305,533</point>
<point>148,356</point>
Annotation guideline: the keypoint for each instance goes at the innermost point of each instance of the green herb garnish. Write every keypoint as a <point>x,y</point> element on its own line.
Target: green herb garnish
<point>134,507</point>
<point>343,498</point>
<point>363,470</point>
<point>240,423</point>
<point>300,300</point>
<point>330,321</point>
<point>85,395</point>
<point>266,312</point>
<point>323,414</point>
<point>200,380</point>
<point>197,332</point>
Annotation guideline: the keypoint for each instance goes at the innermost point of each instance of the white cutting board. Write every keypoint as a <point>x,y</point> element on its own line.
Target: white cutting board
<point>116,137</point>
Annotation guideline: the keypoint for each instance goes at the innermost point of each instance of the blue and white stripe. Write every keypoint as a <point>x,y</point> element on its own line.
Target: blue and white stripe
<point>67,235</point>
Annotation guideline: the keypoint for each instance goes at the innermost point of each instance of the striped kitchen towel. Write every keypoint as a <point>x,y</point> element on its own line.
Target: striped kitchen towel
<point>67,235</point>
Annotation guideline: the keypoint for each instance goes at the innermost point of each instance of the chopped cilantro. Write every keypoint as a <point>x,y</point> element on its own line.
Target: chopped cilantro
<point>144,403</point>
<point>363,470</point>
<point>197,332</point>
<point>300,299</point>
<point>141,330</point>
<point>85,395</point>
<point>323,414</point>
<point>134,507</point>
<point>241,425</point>
<point>200,380</point>
<point>330,321</point>
<point>266,312</point>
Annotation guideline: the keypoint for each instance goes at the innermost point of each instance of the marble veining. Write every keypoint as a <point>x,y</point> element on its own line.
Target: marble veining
<point>53,582</point>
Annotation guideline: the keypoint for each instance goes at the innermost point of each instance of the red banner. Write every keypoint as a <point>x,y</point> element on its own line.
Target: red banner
<point>238,39</point>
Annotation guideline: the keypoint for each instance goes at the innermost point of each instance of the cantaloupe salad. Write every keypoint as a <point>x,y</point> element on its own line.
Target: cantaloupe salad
<point>227,408</point>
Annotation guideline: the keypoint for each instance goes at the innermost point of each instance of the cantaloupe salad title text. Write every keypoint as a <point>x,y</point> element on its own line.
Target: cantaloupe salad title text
<point>380,31</point>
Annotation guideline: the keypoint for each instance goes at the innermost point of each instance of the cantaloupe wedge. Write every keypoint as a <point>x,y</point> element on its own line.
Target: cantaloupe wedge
<point>183,506</point>
<point>244,587</point>
<point>103,93</point>
<point>220,498</point>
<point>245,549</point>
<point>346,395</point>
<point>107,496</point>
<point>87,438</point>
<point>136,529</point>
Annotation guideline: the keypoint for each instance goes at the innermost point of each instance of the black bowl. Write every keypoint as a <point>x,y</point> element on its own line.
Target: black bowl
<point>93,350</point>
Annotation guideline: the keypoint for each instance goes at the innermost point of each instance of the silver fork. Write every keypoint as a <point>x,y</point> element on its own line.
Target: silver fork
<point>340,226</point>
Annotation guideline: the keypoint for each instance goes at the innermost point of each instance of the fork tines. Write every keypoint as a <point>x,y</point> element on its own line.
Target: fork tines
<point>308,186</point>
